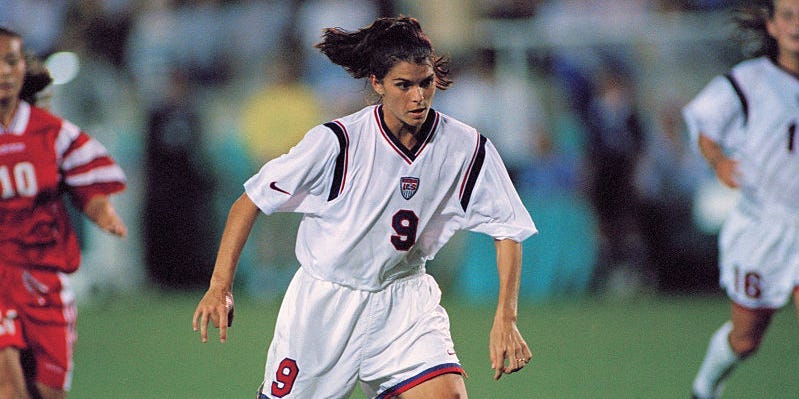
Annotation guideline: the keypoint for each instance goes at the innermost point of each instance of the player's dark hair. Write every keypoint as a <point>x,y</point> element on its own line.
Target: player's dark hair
<point>753,35</point>
<point>8,32</point>
<point>37,78</point>
<point>373,50</point>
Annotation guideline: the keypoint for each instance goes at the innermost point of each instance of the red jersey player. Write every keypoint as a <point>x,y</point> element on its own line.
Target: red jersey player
<point>43,159</point>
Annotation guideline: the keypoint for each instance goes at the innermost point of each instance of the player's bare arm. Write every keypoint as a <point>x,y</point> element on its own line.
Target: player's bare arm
<point>216,305</point>
<point>100,211</point>
<point>508,350</point>
<point>725,167</point>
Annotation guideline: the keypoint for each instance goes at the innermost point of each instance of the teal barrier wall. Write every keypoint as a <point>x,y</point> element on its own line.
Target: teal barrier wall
<point>557,262</point>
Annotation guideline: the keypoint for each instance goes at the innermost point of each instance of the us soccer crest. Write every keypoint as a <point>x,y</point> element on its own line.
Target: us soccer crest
<point>408,186</point>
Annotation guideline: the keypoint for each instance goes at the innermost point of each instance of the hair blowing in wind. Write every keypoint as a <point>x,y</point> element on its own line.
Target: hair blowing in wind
<point>373,50</point>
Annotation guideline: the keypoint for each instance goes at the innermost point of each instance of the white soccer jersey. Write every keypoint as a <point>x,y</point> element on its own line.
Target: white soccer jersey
<point>753,112</point>
<point>375,211</point>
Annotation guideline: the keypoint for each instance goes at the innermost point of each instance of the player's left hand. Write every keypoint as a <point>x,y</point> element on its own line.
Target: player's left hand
<point>508,350</point>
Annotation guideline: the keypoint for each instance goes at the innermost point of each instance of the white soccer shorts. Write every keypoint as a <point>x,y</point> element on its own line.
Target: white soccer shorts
<point>759,256</point>
<point>328,337</point>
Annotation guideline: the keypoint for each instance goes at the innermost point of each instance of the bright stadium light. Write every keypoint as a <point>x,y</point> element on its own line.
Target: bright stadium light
<point>63,66</point>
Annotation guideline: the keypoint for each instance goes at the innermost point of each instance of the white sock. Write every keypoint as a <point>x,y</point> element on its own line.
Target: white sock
<point>719,362</point>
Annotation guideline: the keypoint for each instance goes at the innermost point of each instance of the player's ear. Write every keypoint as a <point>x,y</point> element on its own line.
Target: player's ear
<point>770,29</point>
<point>377,85</point>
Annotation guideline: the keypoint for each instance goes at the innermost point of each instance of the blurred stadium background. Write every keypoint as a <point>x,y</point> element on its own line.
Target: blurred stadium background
<point>581,97</point>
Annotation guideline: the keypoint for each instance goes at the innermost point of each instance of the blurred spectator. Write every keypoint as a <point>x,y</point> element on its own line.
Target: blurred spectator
<point>100,89</point>
<point>549,184</point>
<point>276,117</point>
<point>669,169</point>
<point>273,120</point>
<point>506,110</point>
<point>551,187</point>
<point>104,26</point>
<point>668,176</point>
<point>451,23</point>
<point>552,171</point>
<point>615,145</point>
<point>201,42</point>
<point>521,118</point>
<point>254,28</point>
<point>40,22</point>
<point>171,34</point>
<point>179,236</point>
<point>470,99</point>
<point>508,9</point>
<point>150,50</point>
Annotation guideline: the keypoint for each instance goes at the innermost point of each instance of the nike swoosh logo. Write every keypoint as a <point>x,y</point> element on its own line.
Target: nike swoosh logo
<point>274,186</point>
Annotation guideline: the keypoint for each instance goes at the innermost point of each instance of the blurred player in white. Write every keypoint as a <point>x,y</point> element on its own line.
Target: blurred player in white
<point>381,190</point>
<point>43,159</point>
<point>745,124</point>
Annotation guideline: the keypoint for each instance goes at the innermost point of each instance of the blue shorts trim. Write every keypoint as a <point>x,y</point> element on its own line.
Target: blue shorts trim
<point>396,390</point>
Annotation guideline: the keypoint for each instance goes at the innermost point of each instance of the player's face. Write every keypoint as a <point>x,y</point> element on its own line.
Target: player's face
<point>12,68</point>
<point>407,91</point>
<point>784,27</point>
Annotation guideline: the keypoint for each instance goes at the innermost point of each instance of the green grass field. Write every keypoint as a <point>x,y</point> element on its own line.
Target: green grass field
<point>647,347</point>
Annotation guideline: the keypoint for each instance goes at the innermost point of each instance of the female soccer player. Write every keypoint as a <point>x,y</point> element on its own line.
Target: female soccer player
<point>381,191</point>
<point>42,158</point>
<point>745,124</point>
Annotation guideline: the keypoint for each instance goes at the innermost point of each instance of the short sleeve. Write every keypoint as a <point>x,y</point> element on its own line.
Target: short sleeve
<point>716,112</point>
<point>495,208</point>
<point>87,166</point>
<point>298,180</point>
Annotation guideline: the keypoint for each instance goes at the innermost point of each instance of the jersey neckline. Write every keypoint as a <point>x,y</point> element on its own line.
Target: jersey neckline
<point>425,135</point>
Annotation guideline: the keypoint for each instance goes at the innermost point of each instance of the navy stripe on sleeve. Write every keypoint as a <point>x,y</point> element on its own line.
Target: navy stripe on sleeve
<point>341,160</point>
<point>471,180</point>
<point>740,93</point>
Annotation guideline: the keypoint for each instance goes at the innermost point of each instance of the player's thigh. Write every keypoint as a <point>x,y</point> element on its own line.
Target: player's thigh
<point>445,386</point>
<point>12,378</point>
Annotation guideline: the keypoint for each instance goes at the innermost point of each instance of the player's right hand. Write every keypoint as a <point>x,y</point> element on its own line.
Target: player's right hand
<point>217,307</point>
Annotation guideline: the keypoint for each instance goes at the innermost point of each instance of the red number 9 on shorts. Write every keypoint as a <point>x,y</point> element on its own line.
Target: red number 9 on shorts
<point>284,377</point>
